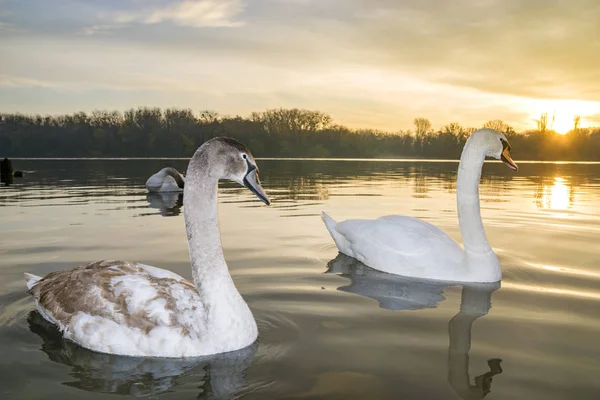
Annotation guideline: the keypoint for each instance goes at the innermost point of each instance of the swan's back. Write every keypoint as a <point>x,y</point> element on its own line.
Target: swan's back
<point>123,307</point>
<point>167,179</point>
<point>401,245</point>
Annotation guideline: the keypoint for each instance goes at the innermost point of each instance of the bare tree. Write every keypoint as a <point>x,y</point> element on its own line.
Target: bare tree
<point>422,127</point>
<point>576,121</point>
<point>292,121</point>
<point>469,131</point>
<point>256,116</point>
<point>498,125</point>
<point>543,122</point>
<point>208,117</point>
<point>453,127</point>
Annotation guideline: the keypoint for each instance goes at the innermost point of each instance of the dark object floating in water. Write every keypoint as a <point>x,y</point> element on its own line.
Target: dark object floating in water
<point>18,174</point>
<point>6,171</point>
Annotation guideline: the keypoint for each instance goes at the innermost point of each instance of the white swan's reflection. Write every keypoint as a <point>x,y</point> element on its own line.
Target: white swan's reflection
<point>168,203</point>
<point>218,377</point>
<point>476,302</point>
<point>394,292</point>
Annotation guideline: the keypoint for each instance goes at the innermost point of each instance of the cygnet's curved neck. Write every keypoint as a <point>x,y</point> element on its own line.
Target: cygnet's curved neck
<point>467,197</point>
<point>227,320</point>
<point>201,217</point>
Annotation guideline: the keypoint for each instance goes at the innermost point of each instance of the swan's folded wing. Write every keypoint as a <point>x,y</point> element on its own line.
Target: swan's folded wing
<point>161,273</point>
<point>400,234</point>
<point>107,304</point>
<point>392,241</point>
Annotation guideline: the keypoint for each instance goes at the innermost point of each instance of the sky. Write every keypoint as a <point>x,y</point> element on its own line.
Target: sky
<point>368,63</point>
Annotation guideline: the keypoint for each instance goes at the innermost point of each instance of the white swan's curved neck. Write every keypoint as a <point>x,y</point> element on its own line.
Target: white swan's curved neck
<point>467,197</point>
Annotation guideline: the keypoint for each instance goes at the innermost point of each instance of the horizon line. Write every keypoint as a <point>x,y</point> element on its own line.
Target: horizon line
<point>425,160</point>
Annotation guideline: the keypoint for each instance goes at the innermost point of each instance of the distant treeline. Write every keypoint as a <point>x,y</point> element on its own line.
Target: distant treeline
<point>152,132</point>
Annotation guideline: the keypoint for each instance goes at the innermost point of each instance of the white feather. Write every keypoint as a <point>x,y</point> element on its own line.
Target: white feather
<point>162,181</point>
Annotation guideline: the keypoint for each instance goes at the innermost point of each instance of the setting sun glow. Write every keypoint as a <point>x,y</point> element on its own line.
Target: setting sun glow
<point>562,123</point>
<point>561,113</point>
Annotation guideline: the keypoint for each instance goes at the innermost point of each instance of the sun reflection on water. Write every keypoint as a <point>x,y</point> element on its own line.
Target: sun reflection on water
<point>557,196</point>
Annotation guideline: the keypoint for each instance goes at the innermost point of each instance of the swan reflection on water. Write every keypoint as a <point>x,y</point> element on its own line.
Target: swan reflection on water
<point>218,377</point>
<point>168,203</point>
<point>395,292</point>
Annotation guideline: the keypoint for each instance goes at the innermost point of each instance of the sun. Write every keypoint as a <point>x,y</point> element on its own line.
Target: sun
<point>561,123</point>
<point>561,113</point>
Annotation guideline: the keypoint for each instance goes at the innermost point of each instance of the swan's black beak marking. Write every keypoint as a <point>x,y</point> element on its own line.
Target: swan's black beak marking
<point>505,157</point>
<point>252,182</point>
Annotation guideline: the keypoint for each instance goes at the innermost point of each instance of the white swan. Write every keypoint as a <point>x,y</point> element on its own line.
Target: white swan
<point>411,247</point>
<point>167,179</point>
<point>127,308</point>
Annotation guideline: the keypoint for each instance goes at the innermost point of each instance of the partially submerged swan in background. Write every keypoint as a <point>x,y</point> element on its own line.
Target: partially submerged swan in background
<point>412,247</point>
<point>167,179</point>
<point>401,293</point>
<point>127,308</point>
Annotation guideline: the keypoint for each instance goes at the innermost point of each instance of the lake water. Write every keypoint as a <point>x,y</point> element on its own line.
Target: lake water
<point>329,327</point>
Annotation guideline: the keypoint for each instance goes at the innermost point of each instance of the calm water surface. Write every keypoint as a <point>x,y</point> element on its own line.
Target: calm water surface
<point>330,328</point>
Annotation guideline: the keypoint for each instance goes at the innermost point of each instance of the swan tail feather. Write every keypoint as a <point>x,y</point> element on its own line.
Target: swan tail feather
<point>31,280</point>
<point>330,223</point>
<point>340,241</point>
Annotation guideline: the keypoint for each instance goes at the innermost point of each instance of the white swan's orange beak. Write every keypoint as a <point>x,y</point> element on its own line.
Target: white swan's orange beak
<point>506,158</point>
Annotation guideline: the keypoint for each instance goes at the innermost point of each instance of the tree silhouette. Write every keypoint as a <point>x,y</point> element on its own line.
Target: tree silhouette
<point>152,132</point>
<point>576,121</point>
<point>498,125</point>
<point>422,127</point>
<point>543,122</point>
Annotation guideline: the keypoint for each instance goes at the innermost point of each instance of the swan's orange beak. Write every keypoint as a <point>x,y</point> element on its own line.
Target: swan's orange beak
<point>506,158</point>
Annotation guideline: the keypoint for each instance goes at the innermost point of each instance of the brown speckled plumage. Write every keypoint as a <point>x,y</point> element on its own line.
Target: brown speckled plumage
<point>88,288</point>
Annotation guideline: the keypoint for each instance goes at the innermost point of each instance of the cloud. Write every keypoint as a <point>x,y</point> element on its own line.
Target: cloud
<point>357,96</point>
<point>18,82</point>
<point>6,26</point>
<point>189,13</point>
<point>593,119</point>
<point>101,29</point>
<point>542,49</point>
<point>368,62</point>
